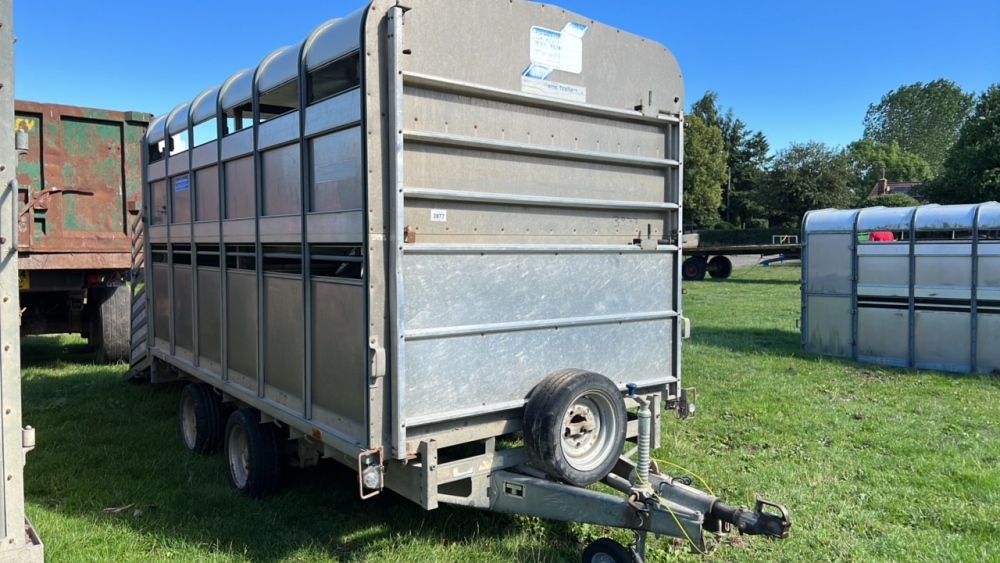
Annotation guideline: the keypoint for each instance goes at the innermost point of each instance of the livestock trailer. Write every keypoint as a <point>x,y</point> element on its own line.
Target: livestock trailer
<point>913,286</point>
<point>78,184</point>
<point>436,241</point>
<point>19,543</point>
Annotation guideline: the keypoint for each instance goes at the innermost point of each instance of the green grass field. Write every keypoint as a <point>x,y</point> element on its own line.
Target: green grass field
<point>875,464</point>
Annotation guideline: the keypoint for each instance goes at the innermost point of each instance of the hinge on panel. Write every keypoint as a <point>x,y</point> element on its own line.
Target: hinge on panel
<point>377,360</point>
<point>28,438</point>
<point>647,108</point>
<point>648,243</point>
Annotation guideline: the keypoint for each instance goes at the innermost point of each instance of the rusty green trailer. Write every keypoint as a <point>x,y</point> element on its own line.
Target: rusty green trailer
<point>79,182</point>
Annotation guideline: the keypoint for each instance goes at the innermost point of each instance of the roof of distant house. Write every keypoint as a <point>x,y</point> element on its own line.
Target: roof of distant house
<point>883,186</point>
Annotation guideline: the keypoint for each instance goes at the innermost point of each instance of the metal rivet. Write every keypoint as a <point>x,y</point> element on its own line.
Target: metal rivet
<point>6,347</point>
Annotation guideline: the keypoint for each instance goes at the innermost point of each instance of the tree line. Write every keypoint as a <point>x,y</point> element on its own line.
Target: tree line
<point>934,134</point>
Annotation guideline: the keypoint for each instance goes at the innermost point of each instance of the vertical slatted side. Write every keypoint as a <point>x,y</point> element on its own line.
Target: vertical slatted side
<point>139,357</point>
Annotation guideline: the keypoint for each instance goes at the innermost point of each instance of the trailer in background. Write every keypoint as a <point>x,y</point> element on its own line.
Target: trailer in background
<point>19,543</point>
<point>79,183</point>
<point>446,262</point>
<point>914,286</point>
<point>713,259</point>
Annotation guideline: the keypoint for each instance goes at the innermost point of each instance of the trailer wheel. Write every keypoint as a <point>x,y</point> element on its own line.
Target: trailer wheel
<point>693,269</point>
<point>252,454</point>
<point>112,323</point>
<point>574,426</point>
<point>202,419</point>
<point>606,550</point>
<point>720,267</point>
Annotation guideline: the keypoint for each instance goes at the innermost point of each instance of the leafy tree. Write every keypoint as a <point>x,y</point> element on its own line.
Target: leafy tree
<point>923,118</point>
<point>707,109</point>
<point>870,158</point>
<point>972,169</point>
<point>889,200</point>
<point>749,169</point>
<point>746,156</point>
<point>704,172</point>
<point>803,177</point>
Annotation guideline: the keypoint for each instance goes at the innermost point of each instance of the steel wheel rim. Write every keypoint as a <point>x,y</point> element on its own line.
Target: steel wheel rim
<point>239,456</point>
<point>189,423</point>
<point>588,432</point>
<point>602,558</point>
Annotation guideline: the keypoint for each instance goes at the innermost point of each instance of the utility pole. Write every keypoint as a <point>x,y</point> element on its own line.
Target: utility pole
<point>18,540</point>
<point>729,189</point>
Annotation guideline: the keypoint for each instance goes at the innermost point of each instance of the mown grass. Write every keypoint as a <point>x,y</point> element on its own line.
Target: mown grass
<point>875,464</point>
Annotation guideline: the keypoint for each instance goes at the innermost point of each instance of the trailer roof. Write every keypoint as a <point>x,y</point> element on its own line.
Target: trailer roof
<point>924,218</point>
<point>328,42</point>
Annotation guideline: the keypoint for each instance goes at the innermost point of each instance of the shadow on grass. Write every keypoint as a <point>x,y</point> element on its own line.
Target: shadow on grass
<point>788,343</point>
<point>748,339</point>
<point>103,443</point>
<point>52,350</point>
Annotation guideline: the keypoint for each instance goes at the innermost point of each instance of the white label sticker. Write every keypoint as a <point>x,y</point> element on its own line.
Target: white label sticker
<point>554,89</point>
<point>439,215</point>
<point>559,50</point>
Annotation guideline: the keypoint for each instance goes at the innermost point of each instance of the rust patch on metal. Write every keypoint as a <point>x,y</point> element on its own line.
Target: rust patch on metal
<point>77,179</point>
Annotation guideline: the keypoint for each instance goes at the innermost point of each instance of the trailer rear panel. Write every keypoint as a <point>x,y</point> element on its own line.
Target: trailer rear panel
<point>79,181</point>
<point>78,185</point>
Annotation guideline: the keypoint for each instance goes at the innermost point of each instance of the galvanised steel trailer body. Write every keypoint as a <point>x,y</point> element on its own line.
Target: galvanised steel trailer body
<point>79,185</point>
<point>19,543</point>
<point>926,295</point>
<point>431,224</point>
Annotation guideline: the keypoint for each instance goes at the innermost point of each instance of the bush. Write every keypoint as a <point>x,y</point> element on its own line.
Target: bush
<point>890,200</point>
<point>757,223</point>
<point>723,226</point>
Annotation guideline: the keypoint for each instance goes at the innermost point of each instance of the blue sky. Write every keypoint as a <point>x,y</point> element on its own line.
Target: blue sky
<point>797,70</point>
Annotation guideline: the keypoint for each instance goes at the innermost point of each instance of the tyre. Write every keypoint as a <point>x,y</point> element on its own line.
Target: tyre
<point>693,269</point>
<point>720,267</point>
<point>574,426</point>
<point>112,323</point>
<point>606,550</point>
<point>201,417</point>
<point>252,454</point>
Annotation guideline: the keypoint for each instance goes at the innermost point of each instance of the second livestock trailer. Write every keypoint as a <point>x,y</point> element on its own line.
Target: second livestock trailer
<point>434,224</point>
<point>904,286</point>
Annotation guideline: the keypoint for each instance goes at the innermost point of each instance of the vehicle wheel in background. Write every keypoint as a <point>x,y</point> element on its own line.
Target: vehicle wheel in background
<point>202,418</point>
<point>720,267</point>
<point>606,550</point>
<point>112,323</point>
<point>252,454</point>
<point>693,269</point>
<point>574,426</point>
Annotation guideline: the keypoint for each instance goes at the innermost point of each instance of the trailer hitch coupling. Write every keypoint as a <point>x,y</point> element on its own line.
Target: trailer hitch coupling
<point>759,522</point>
